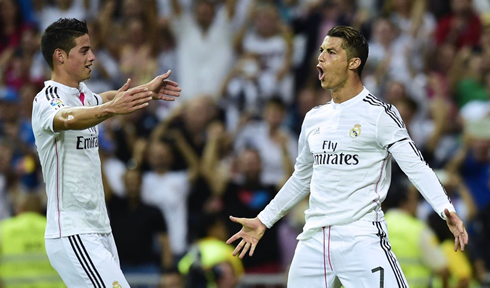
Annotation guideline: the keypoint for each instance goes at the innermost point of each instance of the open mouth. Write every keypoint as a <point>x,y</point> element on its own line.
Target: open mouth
<point>89,67</point>
<point>321,74</point>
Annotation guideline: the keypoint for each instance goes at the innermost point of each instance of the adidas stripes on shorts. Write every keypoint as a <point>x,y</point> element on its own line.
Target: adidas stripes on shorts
<point>86,260</point>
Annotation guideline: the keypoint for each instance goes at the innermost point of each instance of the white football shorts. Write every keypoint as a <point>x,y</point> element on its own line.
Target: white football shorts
<point>358,254</point>
<point>86,260</point>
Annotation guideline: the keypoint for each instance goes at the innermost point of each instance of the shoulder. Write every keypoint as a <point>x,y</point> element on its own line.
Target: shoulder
<point>326,105</point>
<point>378,108</point>
<point>317,110</point>
<point>50,95</point>
<point>375,105</point>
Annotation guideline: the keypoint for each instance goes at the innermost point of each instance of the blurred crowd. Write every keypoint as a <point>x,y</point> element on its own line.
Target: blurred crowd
<point>174,171</point>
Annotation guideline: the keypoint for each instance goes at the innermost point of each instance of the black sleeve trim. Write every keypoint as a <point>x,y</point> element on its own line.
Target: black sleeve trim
<point>389,146</point>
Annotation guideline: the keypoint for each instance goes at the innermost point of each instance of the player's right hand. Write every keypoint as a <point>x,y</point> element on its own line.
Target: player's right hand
<point>252,231</point>
<point>128,100</point>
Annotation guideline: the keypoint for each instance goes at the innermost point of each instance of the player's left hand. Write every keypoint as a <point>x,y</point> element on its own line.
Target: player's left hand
<point>456,227</point>
<point>162,88</point>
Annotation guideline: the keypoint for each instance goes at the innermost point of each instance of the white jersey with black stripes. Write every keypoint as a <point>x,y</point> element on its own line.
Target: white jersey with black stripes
<point>70,164</point>
<point>344,162</point>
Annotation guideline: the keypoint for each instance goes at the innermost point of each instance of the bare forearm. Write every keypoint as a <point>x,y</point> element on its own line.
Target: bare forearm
<point>79,118</point>
<point>190,157</point>
<point>108,95</point>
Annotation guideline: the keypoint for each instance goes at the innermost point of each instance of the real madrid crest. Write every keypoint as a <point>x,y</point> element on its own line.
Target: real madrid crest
<point>116,284</point>
<point>356,131</point>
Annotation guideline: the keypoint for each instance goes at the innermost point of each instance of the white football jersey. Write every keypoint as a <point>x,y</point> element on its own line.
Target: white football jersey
<point>344,162</point>
<point>70,164</point>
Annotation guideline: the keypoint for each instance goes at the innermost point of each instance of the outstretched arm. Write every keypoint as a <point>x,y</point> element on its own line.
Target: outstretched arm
<point>160,87</point>
<point>393,135</point>
<point>251,233</point>
<point>125,101</point>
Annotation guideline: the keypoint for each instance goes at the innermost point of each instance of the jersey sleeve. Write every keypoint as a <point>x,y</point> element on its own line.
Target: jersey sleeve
<point>390,127</point>
<point>98,99</point>
<point>393,136</point>
<point>295,189</point>
<point>45,108</point>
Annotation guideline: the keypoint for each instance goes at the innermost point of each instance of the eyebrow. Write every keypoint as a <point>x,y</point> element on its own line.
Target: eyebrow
<point>327,49</point>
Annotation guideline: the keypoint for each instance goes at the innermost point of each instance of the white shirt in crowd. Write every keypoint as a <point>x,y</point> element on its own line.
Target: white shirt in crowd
<point>203,59</point>
<point>169,193</point>
<point>70,164</point>
<point>256,135</point>
<point>344,162</point>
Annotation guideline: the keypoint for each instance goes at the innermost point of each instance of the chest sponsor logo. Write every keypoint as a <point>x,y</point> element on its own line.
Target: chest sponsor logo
<point>92,141</point>
<point>356,131</point>
<point>116,284</point>
<point>330,157</point>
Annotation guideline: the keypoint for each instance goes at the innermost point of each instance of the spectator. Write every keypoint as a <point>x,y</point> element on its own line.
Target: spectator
<point>105,71</point>
<point>136,227</point>
<point>208,261</point>
<point>276,144</point>
<point>461,28</point>
<point>12,26</point>
<point>211,31</point>
<point>411,18</point>
<point>247,195</point>
<point>271,41</point>
<point>414,243</point>
<point>60,9</point>
<point>136,57</point>
<point>472,161</point>
<point>23,259</point>
<point>241,90</point>
<point>393,56</point>
<point>191,119</point>
<point>169,190</point>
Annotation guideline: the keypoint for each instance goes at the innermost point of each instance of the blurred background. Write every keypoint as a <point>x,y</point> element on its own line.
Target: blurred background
<point>175,171</point>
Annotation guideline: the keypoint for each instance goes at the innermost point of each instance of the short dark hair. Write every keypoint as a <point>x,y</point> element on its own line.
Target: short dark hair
<point>61,34</point>
<point>355,44</point>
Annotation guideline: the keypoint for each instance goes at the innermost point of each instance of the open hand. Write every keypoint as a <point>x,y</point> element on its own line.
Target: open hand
<point>128,100</point>
<point>251,232</point>
<point>456,227</point>
<point>162,88</point>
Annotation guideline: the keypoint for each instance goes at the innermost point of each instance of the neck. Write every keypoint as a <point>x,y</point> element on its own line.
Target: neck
<point>350,89</point>
<point>63,79</point>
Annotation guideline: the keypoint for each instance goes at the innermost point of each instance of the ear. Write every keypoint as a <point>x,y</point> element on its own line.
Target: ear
<point>59,56</point>
<point>354,63</point>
